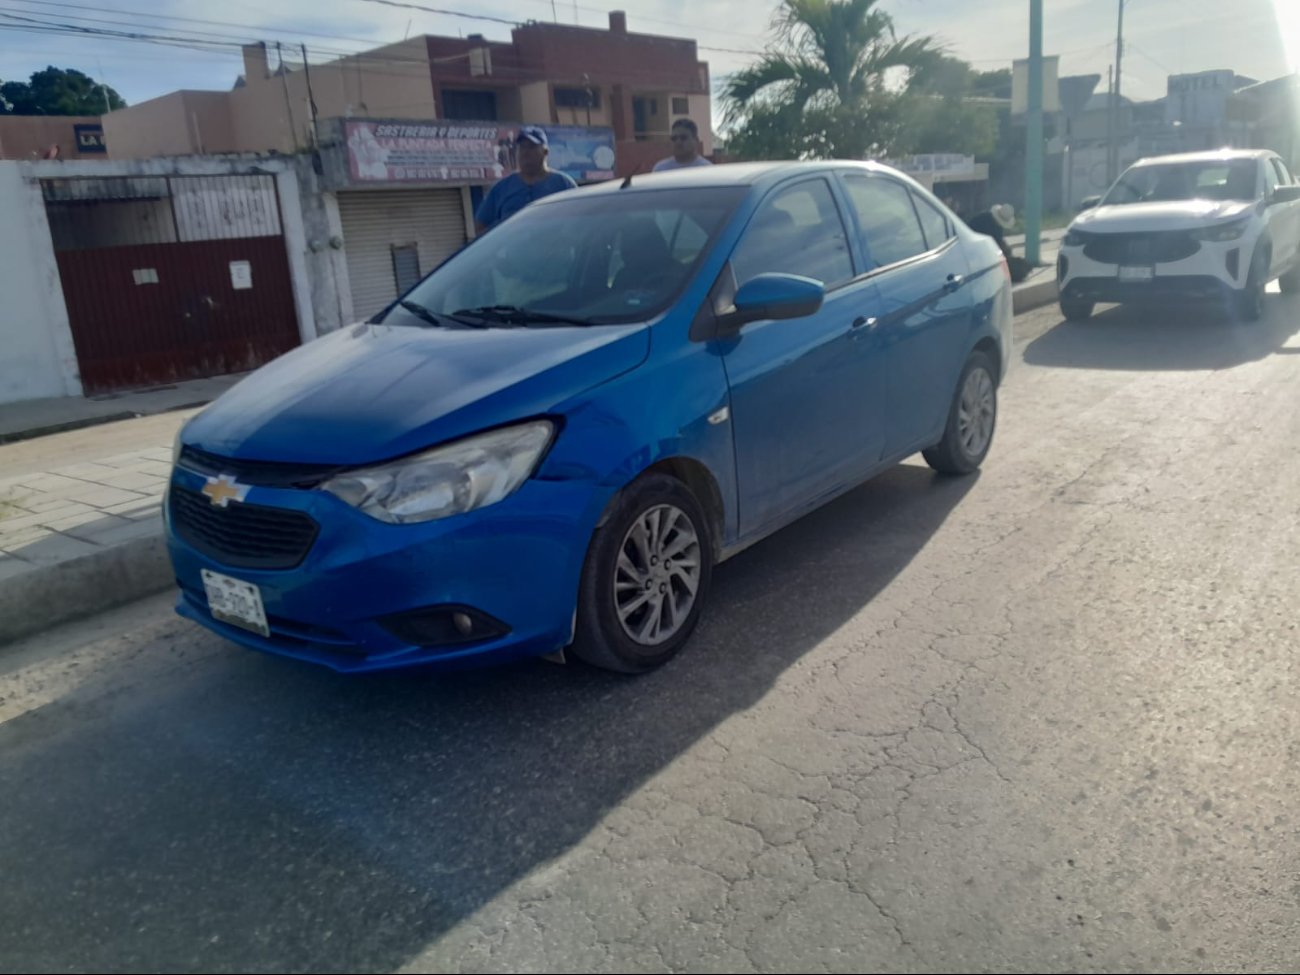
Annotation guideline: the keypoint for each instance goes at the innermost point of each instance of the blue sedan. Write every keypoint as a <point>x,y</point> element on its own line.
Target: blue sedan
<point>551,441</point>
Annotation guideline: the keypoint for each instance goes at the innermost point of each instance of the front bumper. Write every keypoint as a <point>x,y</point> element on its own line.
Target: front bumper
<point>1213,272</point>
<point>518,561</point>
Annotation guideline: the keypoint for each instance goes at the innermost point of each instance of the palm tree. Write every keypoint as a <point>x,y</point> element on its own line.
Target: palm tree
<point>823,81</point>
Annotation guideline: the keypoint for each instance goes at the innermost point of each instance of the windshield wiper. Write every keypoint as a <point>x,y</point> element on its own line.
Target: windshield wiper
<point>433,317</point>
<point>514,315</point>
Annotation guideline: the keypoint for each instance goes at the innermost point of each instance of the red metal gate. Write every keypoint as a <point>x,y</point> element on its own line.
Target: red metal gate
<point>171,278</point>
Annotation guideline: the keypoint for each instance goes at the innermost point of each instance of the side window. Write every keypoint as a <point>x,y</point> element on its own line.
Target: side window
<point>1283,174</point>
<point>1270,181</point>
<point>891,231</point>
<point>797,231</point>
<point>935,224</point>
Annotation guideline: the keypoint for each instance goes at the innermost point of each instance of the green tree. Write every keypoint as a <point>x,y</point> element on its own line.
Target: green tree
<point>58,91</point>
<point>822,88</point>
<point>941,116</point>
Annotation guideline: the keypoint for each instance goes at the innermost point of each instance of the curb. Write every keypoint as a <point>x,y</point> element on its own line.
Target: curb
<point>1027,297</point>
<point>60,593</point>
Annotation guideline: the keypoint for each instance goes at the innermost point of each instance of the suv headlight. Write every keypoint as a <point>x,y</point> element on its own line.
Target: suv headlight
<point>1222,231</point>
<point>1075,238</point>
<point>449,480</point>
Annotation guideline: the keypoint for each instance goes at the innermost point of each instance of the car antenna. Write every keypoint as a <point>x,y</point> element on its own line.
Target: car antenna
<point>628,180</point>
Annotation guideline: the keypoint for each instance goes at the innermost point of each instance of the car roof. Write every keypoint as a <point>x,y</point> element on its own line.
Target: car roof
<point>1213,155</point>
<point>752,174</point>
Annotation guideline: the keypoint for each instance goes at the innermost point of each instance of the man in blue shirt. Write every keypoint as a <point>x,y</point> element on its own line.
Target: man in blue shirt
<point>533,181</point>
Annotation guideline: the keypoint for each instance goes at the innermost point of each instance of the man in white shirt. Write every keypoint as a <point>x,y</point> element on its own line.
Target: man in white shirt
<point>686,148</point>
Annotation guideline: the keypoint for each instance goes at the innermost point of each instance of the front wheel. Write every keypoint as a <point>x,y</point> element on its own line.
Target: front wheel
<point>971,420</point>
<point>1248,303</point>
<point>646,578</point>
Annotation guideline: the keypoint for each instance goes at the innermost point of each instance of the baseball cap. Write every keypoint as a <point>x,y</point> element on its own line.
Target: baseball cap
<point>531,133</point>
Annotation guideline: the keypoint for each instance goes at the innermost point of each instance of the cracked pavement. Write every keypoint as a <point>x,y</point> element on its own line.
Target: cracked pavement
<point>1042,719</point>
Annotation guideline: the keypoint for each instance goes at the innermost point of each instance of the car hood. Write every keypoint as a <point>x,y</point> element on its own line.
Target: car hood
<point>1179,215</point>
<point>373,392</point>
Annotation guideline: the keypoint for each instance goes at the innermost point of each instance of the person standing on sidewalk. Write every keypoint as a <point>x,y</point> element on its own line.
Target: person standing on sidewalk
<point>686,148</point>
<point>533,181</point>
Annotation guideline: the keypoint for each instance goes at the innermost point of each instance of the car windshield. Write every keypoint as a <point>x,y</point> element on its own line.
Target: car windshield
<point>603,258</point>
<point>1170,182</point>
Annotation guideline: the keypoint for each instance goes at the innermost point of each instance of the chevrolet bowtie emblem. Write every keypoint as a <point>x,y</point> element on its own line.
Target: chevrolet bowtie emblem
<point>224,489</point>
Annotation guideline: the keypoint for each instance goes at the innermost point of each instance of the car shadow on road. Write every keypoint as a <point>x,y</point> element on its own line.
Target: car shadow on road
<point>1166,337</point>
<point>253,813</point>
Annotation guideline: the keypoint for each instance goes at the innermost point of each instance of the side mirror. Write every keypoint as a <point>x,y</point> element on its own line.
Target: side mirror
<point>1286,194</point>
<point>774,296</point>
<point>1088,202</point>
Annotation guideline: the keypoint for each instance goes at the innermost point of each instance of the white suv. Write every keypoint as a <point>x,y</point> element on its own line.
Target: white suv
<point>1212,225</point>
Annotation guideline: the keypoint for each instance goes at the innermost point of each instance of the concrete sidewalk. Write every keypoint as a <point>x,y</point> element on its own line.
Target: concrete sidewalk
<point>80,511</point>
<point>80,521</point>
<point>42,417</point>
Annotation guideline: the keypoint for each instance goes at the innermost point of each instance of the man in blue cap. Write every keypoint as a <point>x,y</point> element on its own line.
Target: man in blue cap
<point>533,181</point>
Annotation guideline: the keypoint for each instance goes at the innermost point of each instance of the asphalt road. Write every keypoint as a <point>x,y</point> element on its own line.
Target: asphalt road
<point>1041,719</point>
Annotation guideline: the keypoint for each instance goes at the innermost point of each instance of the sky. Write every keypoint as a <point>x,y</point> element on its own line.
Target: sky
<point>1257,38</point>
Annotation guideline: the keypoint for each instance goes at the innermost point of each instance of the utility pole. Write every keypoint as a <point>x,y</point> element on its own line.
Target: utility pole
<point>1034,137</point>
<point>1112,168</point>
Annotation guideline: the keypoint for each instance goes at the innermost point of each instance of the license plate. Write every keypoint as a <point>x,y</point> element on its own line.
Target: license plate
<point>1136,273</point>
<point>235,602</point>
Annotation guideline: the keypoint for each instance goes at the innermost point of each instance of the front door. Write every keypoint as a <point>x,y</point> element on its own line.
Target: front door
<point>805,393</point>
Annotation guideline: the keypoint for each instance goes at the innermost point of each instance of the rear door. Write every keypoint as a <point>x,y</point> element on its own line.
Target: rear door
<point>925,313</point>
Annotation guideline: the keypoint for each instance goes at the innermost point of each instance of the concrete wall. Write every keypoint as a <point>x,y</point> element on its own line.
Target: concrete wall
<point>274,112</point>
<point>29,136</point>
<point>158,127</point>
<point>39,359</point>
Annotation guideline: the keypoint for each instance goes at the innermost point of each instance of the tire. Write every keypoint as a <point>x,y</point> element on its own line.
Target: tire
<point>972,418</point>
<point>1076,311</point>
<point>1290,282</point>
<point>616,627</point>
<point>1248,303</point>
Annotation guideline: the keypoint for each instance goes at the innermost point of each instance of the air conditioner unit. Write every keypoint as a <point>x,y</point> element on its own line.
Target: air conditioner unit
<point>480,61</point>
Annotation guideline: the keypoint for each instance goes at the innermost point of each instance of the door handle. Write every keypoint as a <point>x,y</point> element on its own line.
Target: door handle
<point>955,281</point>
<point>864,322</point>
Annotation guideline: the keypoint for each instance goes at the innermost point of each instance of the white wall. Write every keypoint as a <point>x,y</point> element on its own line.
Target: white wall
<point>38,360</point>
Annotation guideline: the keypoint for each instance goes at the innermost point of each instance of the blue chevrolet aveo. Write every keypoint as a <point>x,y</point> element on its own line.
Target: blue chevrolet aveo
<point>551,441</point>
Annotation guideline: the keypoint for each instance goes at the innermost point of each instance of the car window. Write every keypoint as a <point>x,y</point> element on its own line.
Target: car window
<point>891,231</point>
<point>1284,174</point>
<point>935,224</point>
<point>797,231</point>
<point>1270,181</point>
<point>603,258</point>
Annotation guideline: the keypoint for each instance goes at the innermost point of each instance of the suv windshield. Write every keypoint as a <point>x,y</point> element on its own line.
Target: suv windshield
<point>1165,182</point>
<point>603,258</point>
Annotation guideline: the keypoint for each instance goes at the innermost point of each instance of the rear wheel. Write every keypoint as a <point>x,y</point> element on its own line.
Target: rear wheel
<point>971,420</point>
<point>1075,310</point>
<point>646,578</point>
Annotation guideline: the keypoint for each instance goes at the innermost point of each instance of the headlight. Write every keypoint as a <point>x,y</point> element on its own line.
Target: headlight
<point>1075,238</point>
<point>450,480</point>
<point>1223,231</point>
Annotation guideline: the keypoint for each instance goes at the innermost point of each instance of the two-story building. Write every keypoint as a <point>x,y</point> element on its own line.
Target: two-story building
<point>406,137</point>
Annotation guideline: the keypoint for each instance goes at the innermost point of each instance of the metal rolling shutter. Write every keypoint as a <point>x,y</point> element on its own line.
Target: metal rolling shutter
<point>375,222</point>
